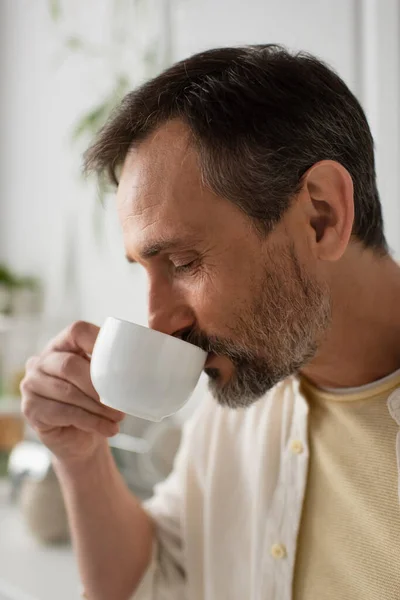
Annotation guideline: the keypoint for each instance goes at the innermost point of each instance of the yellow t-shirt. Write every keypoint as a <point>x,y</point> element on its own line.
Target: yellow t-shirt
<point>349,539</point>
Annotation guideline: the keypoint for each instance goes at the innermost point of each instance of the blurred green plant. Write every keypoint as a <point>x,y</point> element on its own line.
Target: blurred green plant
<point>153,58</point>
<point>28,282</point>
<point>11,284</point>
<point>90,122</point>
<point>11,280</point>
<point>55,9</point>
<point>7,278</point>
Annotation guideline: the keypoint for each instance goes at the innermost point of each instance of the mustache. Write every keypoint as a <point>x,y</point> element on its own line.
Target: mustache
<point>202,340</point>
<point>217,345</point>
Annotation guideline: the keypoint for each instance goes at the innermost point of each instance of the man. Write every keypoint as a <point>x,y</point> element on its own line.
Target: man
<point>246,189</point>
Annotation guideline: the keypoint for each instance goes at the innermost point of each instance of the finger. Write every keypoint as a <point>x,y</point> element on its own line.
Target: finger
<point>45,414</point>
<point>63,392</point>
<point>76,370</point>
<point>78,337</point>
<point>70,367</point>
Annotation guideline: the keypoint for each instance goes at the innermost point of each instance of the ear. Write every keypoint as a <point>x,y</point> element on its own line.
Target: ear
<point>330,208</point>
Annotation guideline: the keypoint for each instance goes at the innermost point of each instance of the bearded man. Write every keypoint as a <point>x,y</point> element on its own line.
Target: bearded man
<point>247,191</point>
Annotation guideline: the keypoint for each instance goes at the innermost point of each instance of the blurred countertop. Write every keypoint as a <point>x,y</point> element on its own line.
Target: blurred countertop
<point>29,571</point>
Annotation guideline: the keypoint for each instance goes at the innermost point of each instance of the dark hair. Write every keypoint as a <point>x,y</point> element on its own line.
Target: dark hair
<point>259,117</point>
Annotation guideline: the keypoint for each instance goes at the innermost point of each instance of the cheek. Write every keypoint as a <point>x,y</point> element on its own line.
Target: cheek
<point>217,301</point>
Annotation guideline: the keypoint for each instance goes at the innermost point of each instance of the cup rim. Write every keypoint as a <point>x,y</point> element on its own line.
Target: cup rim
<point>156,332</point>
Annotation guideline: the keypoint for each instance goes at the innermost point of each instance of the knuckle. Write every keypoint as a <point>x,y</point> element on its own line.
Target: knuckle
<point>28,407</point>
<point>64,389</point>
<point>31,363</point>
<point>25,386</point>
<point>68,364</point>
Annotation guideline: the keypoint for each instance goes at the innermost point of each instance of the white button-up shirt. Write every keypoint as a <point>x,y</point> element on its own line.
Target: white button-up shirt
<point>228,516</point>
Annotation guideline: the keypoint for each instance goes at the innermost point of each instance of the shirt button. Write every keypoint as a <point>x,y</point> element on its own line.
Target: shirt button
<point>296,446</point>
<point>278,551</point>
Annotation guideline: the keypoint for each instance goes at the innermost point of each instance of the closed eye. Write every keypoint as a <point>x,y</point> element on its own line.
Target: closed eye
<point>186,268</point>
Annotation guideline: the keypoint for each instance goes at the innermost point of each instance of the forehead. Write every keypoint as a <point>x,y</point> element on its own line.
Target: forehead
<point>161,193</point>
<point>161,183</point>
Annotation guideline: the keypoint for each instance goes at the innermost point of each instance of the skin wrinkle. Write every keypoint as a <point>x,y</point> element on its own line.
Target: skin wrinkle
<point>267,158</point>
<point>256,293</point>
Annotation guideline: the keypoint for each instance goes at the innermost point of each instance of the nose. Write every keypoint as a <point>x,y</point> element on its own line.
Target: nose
<point>169,312</point>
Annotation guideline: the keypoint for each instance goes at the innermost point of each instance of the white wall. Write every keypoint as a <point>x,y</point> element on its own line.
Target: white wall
<point>43,200</point>
<point>40,193</point>
<point>379,68</point>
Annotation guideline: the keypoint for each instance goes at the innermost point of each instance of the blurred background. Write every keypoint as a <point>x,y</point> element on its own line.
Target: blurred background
<point>63,65</point>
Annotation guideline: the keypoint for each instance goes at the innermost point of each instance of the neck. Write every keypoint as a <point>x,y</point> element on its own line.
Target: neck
<point>363,342</point>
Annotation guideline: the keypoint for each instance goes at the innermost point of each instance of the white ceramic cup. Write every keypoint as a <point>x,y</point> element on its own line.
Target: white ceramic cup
<point>143,372</point>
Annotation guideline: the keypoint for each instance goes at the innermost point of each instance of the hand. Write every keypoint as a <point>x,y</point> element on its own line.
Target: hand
<point>59,400</point>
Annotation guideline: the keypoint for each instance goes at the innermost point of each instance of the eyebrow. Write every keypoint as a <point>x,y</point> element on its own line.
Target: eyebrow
<point>154,249</point>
